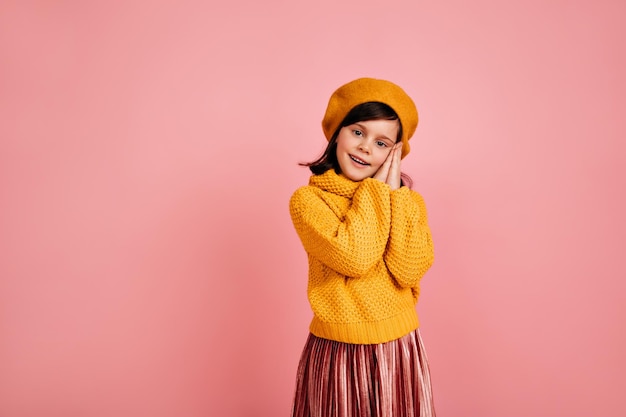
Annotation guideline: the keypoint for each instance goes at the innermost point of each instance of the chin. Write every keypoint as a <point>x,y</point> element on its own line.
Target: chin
<point>355,178</point>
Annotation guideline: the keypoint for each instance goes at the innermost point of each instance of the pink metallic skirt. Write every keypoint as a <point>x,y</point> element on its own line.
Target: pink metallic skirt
<point>345,380</point>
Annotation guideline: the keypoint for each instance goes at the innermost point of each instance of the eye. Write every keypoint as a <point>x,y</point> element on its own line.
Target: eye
<point>381,144</point>
<point>357,132</point>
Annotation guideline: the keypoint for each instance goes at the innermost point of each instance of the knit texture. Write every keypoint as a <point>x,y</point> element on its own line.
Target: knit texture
<point>368,247</point>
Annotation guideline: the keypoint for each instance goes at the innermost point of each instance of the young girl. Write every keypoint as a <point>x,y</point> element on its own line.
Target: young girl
<point>368,244</point>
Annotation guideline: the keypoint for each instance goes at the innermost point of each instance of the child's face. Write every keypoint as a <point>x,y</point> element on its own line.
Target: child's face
<point>363,147</point>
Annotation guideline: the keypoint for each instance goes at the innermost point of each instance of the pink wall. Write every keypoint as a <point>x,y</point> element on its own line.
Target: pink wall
<point>148,266</point>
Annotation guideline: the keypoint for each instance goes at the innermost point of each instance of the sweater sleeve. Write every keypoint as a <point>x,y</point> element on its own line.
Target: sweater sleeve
<point>351,245</point>
<point>409,252</point>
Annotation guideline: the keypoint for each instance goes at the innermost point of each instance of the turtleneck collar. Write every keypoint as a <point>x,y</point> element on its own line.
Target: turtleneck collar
<point>334,183</point>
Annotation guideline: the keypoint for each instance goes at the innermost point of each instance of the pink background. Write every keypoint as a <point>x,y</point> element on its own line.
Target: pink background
<point>148,149</point>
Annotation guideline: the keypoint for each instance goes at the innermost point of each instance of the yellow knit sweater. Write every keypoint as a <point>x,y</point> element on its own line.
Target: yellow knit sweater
<point>368,247</point>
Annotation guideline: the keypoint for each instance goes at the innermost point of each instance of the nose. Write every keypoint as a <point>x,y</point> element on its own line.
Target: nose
<point>364,147</point>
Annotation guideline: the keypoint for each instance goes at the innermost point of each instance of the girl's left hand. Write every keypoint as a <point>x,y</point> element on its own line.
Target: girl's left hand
<point>393,178</point>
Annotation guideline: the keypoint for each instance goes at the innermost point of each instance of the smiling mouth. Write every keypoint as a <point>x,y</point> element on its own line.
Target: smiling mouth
<point>358,161</point>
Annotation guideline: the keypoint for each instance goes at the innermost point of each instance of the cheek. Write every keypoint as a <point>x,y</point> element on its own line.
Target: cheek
<point>380,157</point>
<point>340,147</point>
<point>342,142</point>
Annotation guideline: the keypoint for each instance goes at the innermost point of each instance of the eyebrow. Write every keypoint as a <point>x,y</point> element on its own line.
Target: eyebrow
<point>380,137</point>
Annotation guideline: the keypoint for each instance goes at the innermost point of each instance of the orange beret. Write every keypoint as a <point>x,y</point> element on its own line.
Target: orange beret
<point>364,90</point>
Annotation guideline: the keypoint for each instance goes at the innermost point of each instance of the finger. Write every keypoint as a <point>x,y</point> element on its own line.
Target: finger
<point>383,171</point>
<point>393,178</point>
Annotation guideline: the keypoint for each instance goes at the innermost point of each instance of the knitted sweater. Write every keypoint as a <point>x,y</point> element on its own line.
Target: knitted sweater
<point>368,247</point>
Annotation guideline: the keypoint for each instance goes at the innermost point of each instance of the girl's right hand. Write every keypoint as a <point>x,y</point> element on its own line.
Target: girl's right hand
<point>383,172</point>
<point>394,177</point>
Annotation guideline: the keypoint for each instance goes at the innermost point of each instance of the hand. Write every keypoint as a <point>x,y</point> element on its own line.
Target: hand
<point>389,171</point>
<point>393,175</point>
<point>383,171</point>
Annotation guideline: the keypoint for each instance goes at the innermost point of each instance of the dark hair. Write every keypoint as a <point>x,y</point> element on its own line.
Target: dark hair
<point>372,110</point>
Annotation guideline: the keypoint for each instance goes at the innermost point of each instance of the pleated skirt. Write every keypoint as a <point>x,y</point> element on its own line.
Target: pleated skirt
<point>337,379</point>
